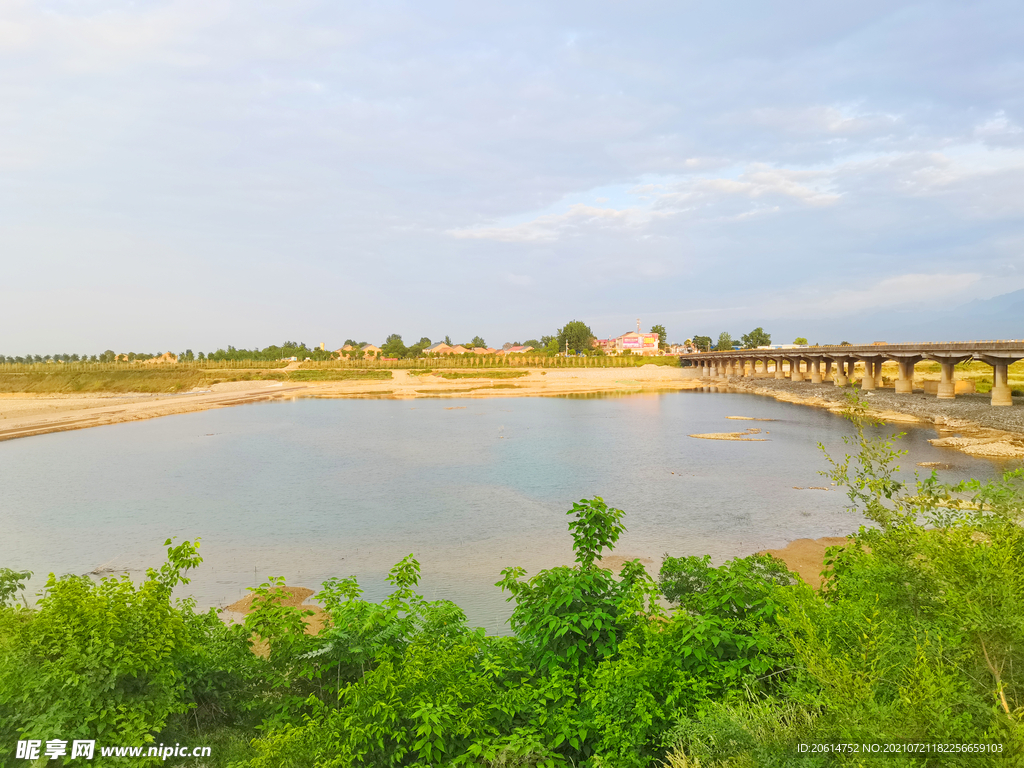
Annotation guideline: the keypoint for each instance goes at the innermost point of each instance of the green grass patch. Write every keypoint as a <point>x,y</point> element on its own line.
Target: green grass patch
<point>151,381</point>
<point>483,374</point>
<point>338,374</point>
<point>446,391</point>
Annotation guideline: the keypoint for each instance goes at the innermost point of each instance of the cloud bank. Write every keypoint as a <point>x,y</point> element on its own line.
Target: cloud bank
<point>202,173</point>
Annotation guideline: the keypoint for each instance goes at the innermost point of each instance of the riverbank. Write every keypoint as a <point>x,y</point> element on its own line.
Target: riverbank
<point>967,423</point>
<point>27,414</point>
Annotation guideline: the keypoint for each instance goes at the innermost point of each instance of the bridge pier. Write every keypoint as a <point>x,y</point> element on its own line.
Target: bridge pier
<point>1001,393</point>
<point>842,365</point>
<point>868,382</point>
<point>778,369</point>
<point>795,374</point>
<point>816,370</point>
<point>947,384</point>
<point>905,383</point>
<point>827,376</point>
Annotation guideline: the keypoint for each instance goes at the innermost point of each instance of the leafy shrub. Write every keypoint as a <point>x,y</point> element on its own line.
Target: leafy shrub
<point>95,659</point>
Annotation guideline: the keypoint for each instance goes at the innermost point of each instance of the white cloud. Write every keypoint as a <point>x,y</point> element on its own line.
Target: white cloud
<point>579,219</point>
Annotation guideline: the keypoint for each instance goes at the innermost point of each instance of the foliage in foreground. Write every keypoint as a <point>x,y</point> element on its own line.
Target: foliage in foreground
<point>916,635</point>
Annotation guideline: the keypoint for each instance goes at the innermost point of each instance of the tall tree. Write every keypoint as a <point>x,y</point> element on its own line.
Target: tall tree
<point>724,341</point>
<point>662,336</point>
<point>577,335</point>
<point>799,340</point>
<point>756,338</point>
<point>703,343</point>
<point>393,346</point>
<point>478,342</point>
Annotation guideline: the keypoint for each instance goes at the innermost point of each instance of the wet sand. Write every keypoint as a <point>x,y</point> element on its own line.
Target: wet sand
<point>806,557</point>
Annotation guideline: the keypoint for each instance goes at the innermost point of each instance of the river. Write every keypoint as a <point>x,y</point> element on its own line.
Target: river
<point>309,489</point>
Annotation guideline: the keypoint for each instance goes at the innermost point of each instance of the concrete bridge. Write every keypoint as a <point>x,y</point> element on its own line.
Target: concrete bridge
<point>816,363</point>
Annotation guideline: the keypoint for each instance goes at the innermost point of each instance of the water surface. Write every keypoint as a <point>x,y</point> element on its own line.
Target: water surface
<point>309,489</point>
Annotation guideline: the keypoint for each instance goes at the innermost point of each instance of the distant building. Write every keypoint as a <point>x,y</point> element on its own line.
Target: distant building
<point>637,343</point>
<point>514,350</point>
<point>482,351</point>
<point>438,349</point>
<point>166,357</point>
<point>369,350</point>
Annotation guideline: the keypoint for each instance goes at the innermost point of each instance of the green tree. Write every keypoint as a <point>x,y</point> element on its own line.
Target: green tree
<point>756,338</point>
<point>393,346</point>
<point>478,342</point>
<point>570,615</point>
<point>724,341</point>
<point>703,343</point>
<point>662,336</point>
<point>799,340</point>
<point>577,335</point>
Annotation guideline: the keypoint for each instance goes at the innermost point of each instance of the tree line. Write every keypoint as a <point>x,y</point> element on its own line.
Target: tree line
<point>756,338</point>
<point>576,336</point>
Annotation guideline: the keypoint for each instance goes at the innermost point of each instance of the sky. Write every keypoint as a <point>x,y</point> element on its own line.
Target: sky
<point>199,173</point>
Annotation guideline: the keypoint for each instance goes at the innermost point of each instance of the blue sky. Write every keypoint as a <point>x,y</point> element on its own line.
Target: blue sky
<point>197,173</point>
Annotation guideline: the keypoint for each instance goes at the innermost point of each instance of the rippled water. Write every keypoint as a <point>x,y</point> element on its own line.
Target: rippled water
<point>309,489</point>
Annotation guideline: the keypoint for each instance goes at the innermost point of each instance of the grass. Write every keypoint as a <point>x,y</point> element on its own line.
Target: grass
<point>497,374</point>
<point>338,374</point>
<point>150,381</point>
<point>163,380</point>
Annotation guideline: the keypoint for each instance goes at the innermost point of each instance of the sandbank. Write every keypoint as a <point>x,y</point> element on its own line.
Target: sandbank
<point>806,557</point>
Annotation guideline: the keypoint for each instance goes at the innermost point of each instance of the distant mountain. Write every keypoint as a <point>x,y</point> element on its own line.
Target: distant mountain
<point>1001,317</point>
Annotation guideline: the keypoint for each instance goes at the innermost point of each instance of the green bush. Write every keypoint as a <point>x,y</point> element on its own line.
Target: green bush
<point>94,660</point>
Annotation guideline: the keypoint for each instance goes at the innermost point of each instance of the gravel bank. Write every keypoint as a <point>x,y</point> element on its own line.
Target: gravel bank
<point>968,423</point>
<point>974,408</point>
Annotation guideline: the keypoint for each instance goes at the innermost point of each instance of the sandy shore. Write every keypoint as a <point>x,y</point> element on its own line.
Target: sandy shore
<point>27,415</point>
